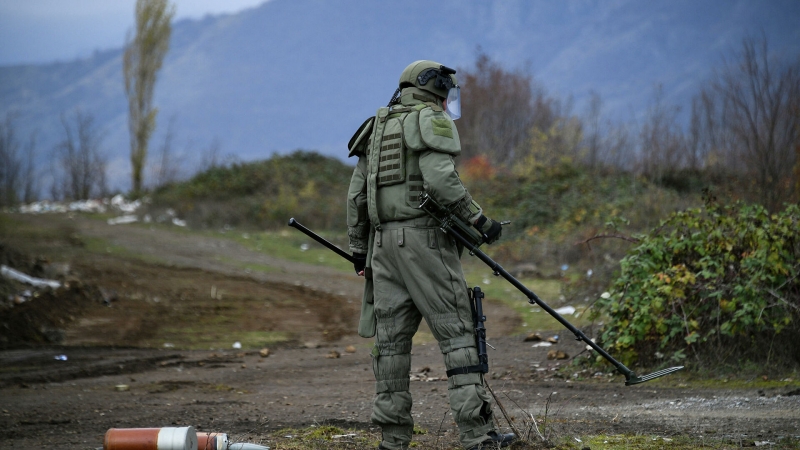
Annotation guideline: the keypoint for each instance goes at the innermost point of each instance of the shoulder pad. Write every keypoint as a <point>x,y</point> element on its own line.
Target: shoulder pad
<point>358,143</point>
<point>438,131</point>
<point>411,134</point>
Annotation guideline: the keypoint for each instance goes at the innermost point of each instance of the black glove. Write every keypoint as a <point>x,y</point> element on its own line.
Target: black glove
<point>490,230</point>
<point>360,262</point>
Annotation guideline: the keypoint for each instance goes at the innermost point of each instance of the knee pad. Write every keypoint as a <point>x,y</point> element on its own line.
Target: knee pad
<point>461,357</point>
<point>391,363</point>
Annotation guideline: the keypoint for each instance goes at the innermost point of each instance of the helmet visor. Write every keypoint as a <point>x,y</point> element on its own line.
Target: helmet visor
<point>454,102</point>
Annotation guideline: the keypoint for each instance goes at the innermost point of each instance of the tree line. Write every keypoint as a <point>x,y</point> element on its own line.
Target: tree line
<point>78,164</point>
<point>743,130</point>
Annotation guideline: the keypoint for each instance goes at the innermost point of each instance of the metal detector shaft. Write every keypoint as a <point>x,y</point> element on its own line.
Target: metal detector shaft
<point>295,224</point>
<point>630,376</point>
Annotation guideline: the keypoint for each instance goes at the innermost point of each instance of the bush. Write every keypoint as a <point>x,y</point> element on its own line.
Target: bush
<point>720,284</point>
<point>264,194</point>
<point>553,208</point>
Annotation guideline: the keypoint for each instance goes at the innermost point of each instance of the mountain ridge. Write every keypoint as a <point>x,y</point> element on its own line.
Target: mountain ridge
<point>304,74</point>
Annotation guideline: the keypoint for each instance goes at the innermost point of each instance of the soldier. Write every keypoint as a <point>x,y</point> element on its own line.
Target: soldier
<point>412,269</point>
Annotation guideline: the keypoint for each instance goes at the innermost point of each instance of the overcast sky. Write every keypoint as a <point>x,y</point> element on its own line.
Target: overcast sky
<point>36,31</point>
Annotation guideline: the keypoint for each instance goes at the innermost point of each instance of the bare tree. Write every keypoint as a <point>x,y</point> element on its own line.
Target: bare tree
<point>166,168</point>
<point>30,182</point>
<point>559,143</point>
<point>80,159</point>
<point>9,162</point>
<point>209,157</point>
<point>500,110</point>
<point>141,63</point>
<point>593,137</point>
<point>662,146</point>
<point>620,148</point>
<point>796,112</point>
<point>749,106</point>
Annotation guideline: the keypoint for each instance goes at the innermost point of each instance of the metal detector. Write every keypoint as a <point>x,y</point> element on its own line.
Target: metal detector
<point>449,223</point>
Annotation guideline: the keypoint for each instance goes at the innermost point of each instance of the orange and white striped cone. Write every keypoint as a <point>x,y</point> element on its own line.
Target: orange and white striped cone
<point>167,438</point>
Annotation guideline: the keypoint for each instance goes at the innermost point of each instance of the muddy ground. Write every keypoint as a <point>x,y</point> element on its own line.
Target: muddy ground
<point>121,309</point>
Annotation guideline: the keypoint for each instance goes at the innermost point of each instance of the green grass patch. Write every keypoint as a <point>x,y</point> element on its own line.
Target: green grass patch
<point>324,437</point>
<point>252,267</point>
<point>198,338</point>
<point>213,331</point>
<point>533,317</point>
<point>99,245</point>
<point>646,442</point>
<point>17,230</point>
<point>287,244</point>
<point>695,381</point>
<point>293,245</point>
<point>679,442</point>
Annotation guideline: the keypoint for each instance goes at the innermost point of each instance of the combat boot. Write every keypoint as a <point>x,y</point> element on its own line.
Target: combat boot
<point>495,441</point>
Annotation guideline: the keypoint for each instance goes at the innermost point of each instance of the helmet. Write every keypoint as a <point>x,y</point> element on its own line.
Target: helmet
<point>429,76</point>
<point>437,79</point>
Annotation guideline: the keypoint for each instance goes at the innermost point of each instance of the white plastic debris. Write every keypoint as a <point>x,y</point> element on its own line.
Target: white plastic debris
<point>44,206</point>
<point>89,206</point>
<point>605,295</point>
<point>60,357</point>
<point>178,222</point>
<point>566,310</point>
<point>123,205</point>
<point>8,272</point>
<point>246,446</point>
<point>237,344</point>
<point>304,247</point>
<point>541,344</point>
<point>128,218</point>
<point>117,203</point>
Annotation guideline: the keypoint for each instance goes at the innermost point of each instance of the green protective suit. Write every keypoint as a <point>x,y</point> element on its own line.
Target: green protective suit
<point>413,268</point>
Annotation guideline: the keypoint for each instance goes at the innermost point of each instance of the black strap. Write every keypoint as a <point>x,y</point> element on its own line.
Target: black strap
<point>480,368</point>
<point>481,220</point>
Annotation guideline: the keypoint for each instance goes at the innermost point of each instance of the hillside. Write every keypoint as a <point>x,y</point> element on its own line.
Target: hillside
<point>551,210</point>
<point>160,326</point>
<point>304,74</point>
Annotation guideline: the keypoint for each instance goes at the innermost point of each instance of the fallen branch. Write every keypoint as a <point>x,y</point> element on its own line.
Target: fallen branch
<point>502,409</point>
<point>775,294</point>
<point>609,235</point>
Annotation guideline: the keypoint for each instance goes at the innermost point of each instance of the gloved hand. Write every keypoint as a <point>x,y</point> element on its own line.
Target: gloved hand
<point>490,230</point>
<point>360,262</point>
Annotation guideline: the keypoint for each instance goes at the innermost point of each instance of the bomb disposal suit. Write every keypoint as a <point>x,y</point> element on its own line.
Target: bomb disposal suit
<point>413,270</point>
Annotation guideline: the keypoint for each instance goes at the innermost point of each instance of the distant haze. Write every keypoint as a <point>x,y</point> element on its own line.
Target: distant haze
<point>292,74</point>
<point>41,31</point>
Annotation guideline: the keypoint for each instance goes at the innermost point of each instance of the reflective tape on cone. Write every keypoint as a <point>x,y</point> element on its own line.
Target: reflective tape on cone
<point>212,441</point>
<point>167,438</point>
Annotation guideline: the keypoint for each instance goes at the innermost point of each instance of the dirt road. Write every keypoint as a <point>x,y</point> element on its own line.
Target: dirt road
<point>120,372</point>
